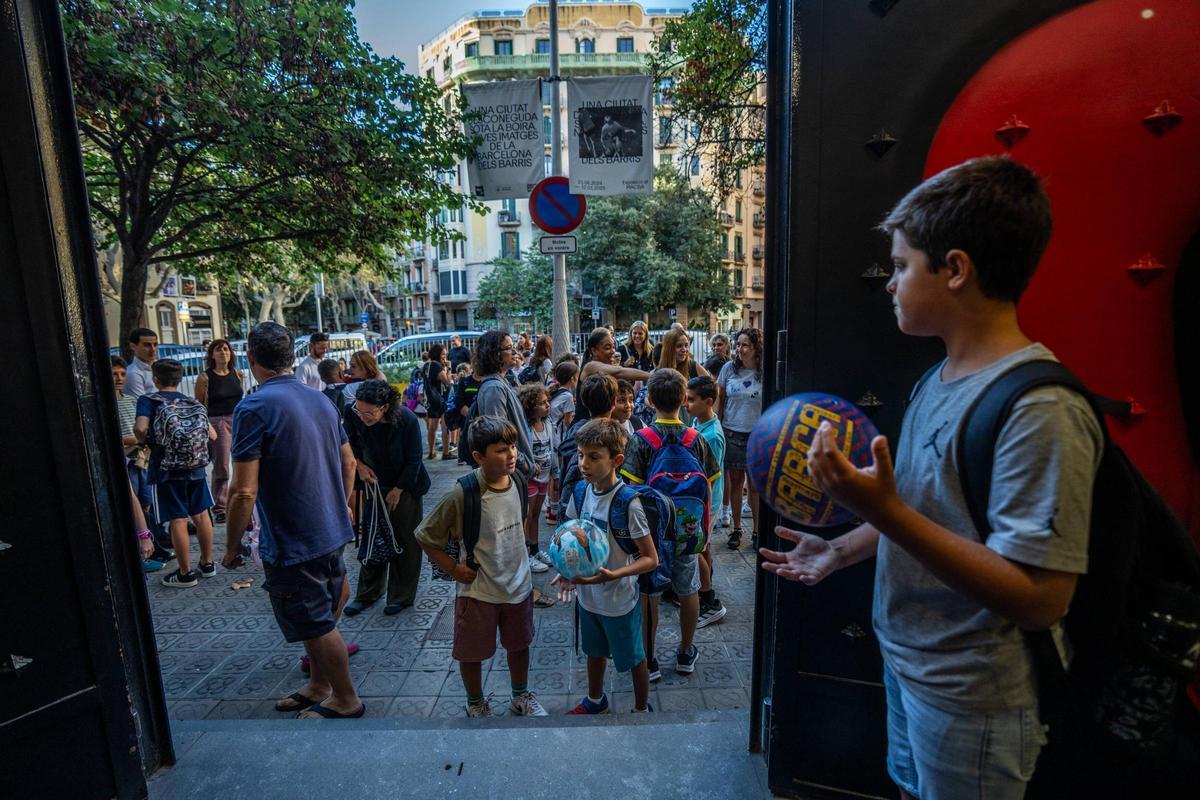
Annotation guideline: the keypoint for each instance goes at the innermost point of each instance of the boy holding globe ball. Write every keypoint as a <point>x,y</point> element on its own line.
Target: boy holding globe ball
<point>610,617</point>
<point>950,604</point>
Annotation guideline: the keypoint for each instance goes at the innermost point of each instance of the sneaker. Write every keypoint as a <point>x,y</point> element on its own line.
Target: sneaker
<point>208,570</point>
<point>710,612</point>
<point>746,506</point>
<point>648,709</point>
<point>685,663</point>
<point>152,565</point>
<point>218,517</point>
<point>655,672</point>
<point>484,709</point>
<point>735,539</point>
<point>551,517</point>
<point>586,706</point>
<point>725,517</point>
<point>163,554</point>
<point>537,566</point>
<point>541,556</point>
<point>526,705</point>
<point>178,580</point>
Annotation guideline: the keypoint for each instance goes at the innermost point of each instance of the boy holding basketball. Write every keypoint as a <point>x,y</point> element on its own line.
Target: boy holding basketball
<point>950,603</point>
<point>610,620</point>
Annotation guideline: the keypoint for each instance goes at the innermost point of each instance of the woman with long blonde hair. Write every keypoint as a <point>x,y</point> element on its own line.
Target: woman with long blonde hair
<point>676,355</point>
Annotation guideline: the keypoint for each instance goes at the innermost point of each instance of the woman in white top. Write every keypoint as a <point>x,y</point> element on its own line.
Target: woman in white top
<point>739,385</point>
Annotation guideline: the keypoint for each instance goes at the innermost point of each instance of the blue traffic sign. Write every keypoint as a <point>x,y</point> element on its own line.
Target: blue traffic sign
<point>553,208</point>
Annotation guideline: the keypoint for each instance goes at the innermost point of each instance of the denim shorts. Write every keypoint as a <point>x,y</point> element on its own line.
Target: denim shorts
<point>685,576</point>
<point>934,754</point>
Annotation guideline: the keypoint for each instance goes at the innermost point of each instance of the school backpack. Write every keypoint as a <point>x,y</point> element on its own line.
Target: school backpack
<point>660,519</point>
<point>568,465</point>
<point>641,404</point>
<point>529,374</point>
<point>464,442</point>
<point>677,473</point>
<point>181,430</point>
<point>473,511</point>
<point>413,393</point>
<point>1118,714</point>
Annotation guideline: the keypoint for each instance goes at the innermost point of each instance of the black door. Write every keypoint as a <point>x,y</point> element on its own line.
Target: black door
<point>856,91</point>
<point>81,706</point>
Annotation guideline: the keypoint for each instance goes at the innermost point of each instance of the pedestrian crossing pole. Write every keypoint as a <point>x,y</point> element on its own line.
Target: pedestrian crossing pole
<point>561,325</point>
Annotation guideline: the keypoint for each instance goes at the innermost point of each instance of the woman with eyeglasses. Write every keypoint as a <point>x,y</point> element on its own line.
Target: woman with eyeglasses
<point>386,439</point>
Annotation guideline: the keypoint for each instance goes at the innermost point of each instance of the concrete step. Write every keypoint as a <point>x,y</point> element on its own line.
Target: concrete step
<point>695,755</point>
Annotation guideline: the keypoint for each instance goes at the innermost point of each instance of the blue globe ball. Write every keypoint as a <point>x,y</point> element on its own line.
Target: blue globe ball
<point>777,454</point>
<point>578,549</point>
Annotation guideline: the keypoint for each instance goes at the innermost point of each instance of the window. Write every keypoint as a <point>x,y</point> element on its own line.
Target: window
<point>663,95</point>
<point>667,159</point>
<point>429,73</point>
<point>446,63</point>
<point>625,44</point>
<point>459,282</point>
<point>585,45</point>
<point>737,180</point>
<point>542,47</point>
<point>737,210</point>
<point>739,281</point>
<point>454,249</point>
<point>472,49</point>
<point>664,130</point>
<point>547,88</point>
<point>509,205</point>
<point>546,130</point>
<point>444,250</point>
<point>444,282</point>
<point>503,48</point>
<point>510,244</point>
<point>548,165</point>
<point>738,247</point>
<point>695,169</point>
<point>446,103</point>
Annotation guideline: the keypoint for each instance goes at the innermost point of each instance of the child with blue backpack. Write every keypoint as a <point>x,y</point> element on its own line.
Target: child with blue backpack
<point>177,429</point>
<point>675,459</point>
<point>610,619</point>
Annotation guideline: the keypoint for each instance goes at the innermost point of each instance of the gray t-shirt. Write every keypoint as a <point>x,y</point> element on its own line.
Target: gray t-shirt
<point>743,398</point>
<point>944,647</point>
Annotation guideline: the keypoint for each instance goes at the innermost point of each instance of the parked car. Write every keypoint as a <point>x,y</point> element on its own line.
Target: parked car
<point>409,348</point>
<point>341,345</point>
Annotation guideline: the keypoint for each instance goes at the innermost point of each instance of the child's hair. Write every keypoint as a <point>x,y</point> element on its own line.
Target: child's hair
<point>117,361</point>
<point>330,371</point>
<point>168,371</point>
<point>606,433</point>
<point>704,387</point>
<point>565,371</point>
<point>992,208</point>
<point>598,394</point>
<point>488,430</point>
<point>463,370</point>
<point>572,357</point>
<point>530,395</point>
<point>667,390</point>
<point>624,387</point>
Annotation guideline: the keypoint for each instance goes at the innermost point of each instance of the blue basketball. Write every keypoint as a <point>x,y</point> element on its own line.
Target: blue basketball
<point>578,549</point>
<point>777,454</point>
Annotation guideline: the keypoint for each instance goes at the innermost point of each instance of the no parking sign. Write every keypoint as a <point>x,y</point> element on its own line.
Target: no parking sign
<point>553,208</point>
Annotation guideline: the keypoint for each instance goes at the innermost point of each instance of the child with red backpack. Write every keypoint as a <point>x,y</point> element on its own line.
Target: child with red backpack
<point>176,428</point>
<point>676,460</point>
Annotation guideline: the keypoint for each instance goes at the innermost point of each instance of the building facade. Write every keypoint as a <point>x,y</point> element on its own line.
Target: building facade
<point>183,310</point>
<point>595,38</point>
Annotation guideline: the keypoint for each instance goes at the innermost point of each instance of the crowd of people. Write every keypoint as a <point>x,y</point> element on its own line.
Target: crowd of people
<point>319,454</point>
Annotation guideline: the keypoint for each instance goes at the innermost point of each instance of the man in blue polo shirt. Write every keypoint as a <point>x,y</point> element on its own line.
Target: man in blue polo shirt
<point>292,459</point>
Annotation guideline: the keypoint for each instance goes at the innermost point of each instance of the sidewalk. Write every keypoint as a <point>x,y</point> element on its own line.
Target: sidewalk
<point>223,657</point>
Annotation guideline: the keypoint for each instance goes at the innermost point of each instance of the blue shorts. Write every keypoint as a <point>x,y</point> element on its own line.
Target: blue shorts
<point>934,754</point>
<point>618,638</point>
<point>181,499</point>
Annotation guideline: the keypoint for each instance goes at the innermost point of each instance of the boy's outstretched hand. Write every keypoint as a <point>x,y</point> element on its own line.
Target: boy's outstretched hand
<point>867,491</point>
<point>603,576</point>
<point>810,561</point>
<point>566,589</point>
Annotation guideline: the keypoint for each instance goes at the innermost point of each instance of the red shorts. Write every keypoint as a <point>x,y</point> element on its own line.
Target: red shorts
<point>536,487</point>
<point>476,622</point>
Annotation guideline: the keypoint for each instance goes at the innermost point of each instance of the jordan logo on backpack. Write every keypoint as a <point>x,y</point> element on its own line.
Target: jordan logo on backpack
<point>181,429</point>
<point>676,472</point>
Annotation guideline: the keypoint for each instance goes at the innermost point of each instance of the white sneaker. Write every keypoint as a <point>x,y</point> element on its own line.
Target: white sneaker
<point>526,705</point>
<point>538,566</point>
<point>725,517</point>
<point>542,556</point>
<point>484,710</point>
<point>746,507</point>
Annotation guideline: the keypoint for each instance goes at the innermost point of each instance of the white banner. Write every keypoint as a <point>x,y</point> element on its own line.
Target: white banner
<point>611,147</point>
<point>510,159</point>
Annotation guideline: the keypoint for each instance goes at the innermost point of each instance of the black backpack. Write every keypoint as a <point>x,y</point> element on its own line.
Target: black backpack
<point>568,466</point>
<point>464,440</point>
<point>473,510</point>
<point>529,374</point>
<point>1118,715</point>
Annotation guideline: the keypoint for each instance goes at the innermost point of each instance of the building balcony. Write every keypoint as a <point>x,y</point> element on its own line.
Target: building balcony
<point>729,255</point>
<point>739,256</point>
<point>760,220</point>
<point>759,188</point>
<point>417,287</point>
<point>758,252</point>
<point>726,219</point>
<point>536,64</point>
<point>508,219</point>
<point>739,290</point>
<point>756,282</point>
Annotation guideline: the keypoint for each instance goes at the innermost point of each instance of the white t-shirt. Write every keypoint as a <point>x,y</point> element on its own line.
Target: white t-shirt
<point>503,575</point>
<point>562,404</point>
<point>308,374</point>
<point>613,598</point>
<point>743,398</point>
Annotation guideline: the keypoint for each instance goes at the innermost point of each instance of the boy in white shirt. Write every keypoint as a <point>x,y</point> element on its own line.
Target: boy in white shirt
<point>610,617</point>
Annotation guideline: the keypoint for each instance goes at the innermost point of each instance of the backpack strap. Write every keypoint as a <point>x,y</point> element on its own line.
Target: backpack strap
<point>472,512</point>
<point>986,417</point>
<point>522,488</point>
<point>651,436</point>
<point>579,492</point>
<point>618,516</point>
<point>689,437</point>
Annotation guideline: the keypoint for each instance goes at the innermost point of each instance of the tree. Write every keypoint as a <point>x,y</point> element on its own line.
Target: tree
<point>521,287</point>
<point>648,252</point>
<point>216,131</point>
<point>715,59</point>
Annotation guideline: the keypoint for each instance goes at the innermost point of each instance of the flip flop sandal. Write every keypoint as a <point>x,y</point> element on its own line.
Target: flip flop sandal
<point>329,713</point>
<point>544,601</point>
<point>300,700</point>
